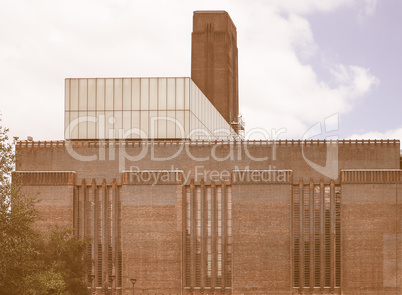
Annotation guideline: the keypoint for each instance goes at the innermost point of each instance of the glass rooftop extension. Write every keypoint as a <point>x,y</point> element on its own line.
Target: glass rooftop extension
<point>140,108</point>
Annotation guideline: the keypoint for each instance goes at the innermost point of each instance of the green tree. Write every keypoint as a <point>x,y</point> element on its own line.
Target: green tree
<point>18,241</point>
<point>60,266</point>
<point>47,282</point>
<point>66,255</point>
<point>31,264</point>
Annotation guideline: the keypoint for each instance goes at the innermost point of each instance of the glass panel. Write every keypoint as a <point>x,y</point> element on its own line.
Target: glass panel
<point>135,124</point>
<point>74,94</point>
<point>127,94</point>
<point>126,121</point>
<point>100,94</point>
<point>67,94</point>
<point>92,94</point>
<point>191,103</point>
<point>101,125</point>
<point>180,93</point>
<point>66,125</point>
<point>198,104</point>
<point>73,125</point>
<point>180,133</point>
<point>118,95</point>
<point>186,122</point>
<point>162,124</point>
<point>118,126</point>
<point>144,94</point>
<point>83,95</point>
<point>205,108</point>
<point>110,120</point>
<point>215,121</point>
<point>83,125</point>
<point>153,124</point>
<point>203,111</point>
<point>187,93</point>
<point>153,94</point>
<point>192,126</point>
<point>162,94</point>
<point>170,124</point>
<point>91,125</point>
<point>171,94</point>
<point>135,94</point>
<point>109,94</point>
<point>144,121</point>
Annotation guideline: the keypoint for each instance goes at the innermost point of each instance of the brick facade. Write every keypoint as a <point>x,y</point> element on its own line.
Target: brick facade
<point>147,210</point>
<point>224,217</point>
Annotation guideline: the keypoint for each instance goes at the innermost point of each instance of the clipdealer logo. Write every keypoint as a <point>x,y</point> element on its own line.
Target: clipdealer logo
<point>184,144</point>
<point>330,129</point>
<point>174,175</point>
<point>145,143</point>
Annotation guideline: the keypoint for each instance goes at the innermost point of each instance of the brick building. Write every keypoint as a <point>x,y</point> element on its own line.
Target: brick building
<point>156,172</point>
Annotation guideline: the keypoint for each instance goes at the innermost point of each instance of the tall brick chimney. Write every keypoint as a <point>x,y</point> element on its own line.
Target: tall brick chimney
<point>214,61</point>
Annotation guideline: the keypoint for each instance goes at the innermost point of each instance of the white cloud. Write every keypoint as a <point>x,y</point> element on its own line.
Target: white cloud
<point>308,6</point>
<point>366,7</point>
<point>283,91</point>
<point>370,7</point>
<point>44,43</point>
<point>357,80</point>
<point>367,10</point>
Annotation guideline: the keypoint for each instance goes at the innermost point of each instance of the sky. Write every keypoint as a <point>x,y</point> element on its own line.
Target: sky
<point>307,68</point>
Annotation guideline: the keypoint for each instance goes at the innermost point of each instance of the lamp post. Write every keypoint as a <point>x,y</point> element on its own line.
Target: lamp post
<point>112,277</point>
<point>91,278</point>
<point>133,282</point>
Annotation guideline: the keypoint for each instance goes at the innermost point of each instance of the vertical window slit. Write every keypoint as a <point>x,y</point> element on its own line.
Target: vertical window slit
<point>209,227</point>
<point>314,265</point>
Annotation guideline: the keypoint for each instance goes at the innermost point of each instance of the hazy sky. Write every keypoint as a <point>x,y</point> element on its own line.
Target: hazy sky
<point>300,61</point>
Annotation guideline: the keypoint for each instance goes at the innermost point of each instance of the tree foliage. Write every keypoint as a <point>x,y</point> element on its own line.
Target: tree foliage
<point>65,254</point>
<point>30,263</point>
<point>18,241</point>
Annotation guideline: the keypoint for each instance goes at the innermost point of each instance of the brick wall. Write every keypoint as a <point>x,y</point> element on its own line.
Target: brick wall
<point>152,238</point>
<point>152,211</point>
<point>371,238</point>
<point>262,239</point>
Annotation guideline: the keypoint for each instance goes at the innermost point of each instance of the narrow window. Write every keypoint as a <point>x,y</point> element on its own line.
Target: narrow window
<point>316,235</point>
<point>207,236</point>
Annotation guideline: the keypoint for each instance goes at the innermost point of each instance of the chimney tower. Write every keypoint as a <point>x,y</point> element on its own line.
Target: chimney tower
<point>214,62</point>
